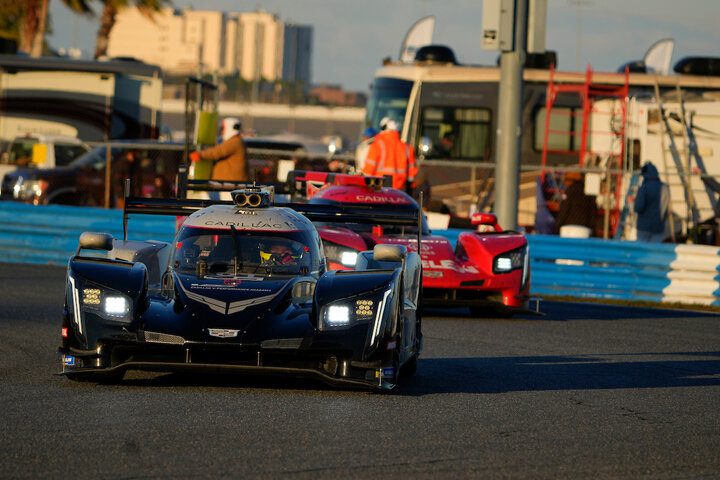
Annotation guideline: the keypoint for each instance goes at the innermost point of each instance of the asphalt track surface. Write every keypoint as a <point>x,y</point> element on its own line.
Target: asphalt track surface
<point>587,391</point>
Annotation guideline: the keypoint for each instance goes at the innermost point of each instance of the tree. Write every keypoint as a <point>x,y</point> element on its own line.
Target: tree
<point>11,16</point>
<point>26,21</point>
<point>110,11</point>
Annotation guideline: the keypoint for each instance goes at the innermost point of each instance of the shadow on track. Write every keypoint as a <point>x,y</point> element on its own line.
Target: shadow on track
<point>545,373</point>
<point>489,375</point>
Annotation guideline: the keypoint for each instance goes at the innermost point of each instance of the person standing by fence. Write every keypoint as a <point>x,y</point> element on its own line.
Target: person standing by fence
<point>651,206</point>
<point>389,155</point>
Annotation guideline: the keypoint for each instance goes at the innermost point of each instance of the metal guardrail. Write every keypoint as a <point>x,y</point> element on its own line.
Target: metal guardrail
<point>585,268</point>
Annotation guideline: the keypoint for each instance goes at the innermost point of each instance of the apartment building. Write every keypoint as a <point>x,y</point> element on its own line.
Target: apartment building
<point>256,45</point>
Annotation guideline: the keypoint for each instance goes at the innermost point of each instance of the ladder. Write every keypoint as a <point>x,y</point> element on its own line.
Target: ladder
<point>587,94</point>
<point>625,213</point>
<point>693,148</point>
<point>675,154</point>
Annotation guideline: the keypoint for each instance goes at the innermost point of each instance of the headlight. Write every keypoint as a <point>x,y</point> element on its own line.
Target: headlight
<point>345,313</point>
<point>117,306</point>
<point>27,189</point>
<point>508,261</point>
<point>337,315</point>
<point>349,259</point>
<point>106,303</point>
<point>338,254</point>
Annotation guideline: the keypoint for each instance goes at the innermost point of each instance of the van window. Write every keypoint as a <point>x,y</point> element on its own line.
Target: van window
<point>457,133</point>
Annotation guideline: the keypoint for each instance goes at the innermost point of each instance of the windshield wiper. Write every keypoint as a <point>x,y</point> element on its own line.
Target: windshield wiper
<point>238,253</point>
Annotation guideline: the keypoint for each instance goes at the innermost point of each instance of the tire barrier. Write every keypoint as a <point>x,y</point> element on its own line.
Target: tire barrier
<point>576,267</point>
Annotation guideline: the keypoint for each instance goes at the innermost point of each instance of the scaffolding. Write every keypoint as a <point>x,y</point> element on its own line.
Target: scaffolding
<point>586,95</point>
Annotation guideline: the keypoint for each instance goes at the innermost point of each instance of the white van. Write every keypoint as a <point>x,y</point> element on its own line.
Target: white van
<point>40,151</point>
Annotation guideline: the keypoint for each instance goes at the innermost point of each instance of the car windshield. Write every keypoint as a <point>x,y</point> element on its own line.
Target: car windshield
<point>66,153</point>
<point>241,252</point>
<point>389,98</point>
<point>94,158</point>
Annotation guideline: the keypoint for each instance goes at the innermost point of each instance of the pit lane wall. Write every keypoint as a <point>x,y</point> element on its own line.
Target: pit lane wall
<point>578,267</point>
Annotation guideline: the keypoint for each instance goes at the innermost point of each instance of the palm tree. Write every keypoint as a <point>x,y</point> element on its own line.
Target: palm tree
<point>32,18</point>
<point>110,11</point>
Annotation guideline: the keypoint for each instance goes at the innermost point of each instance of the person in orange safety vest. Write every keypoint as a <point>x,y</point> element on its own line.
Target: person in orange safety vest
<point>388,155</point>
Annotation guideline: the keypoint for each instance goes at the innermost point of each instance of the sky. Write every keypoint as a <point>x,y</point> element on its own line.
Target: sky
<point>351,37</point>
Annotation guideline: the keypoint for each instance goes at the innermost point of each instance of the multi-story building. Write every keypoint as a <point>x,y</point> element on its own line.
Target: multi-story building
<point>255,45</point>
<point>297,53</point>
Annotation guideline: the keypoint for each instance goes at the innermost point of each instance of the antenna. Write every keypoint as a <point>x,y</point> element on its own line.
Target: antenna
<point>126,194</point>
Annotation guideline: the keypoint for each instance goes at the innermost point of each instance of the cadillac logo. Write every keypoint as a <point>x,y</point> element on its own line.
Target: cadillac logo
<point>223,332</point>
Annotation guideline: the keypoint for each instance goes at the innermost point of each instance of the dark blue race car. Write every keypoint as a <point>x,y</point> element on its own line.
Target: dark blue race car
<point>243,288</point>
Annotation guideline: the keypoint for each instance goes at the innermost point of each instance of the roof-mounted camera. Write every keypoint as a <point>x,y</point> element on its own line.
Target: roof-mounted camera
<point>254,196</point>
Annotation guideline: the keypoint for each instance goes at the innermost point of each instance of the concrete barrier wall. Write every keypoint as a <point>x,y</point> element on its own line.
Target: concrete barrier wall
<point>586,268</point>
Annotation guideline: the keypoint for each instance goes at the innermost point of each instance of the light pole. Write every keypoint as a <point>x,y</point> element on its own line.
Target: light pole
<point>509,130</point>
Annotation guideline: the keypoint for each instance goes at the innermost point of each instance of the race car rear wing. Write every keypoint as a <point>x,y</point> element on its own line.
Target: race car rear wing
<point>375,215</point>
<point>228,186</point>
<point>305,183</point>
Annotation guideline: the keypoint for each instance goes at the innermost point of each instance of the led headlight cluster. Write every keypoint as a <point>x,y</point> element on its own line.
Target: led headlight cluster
<point>508,261</point>
<point>91,296</point>
<point>339,254</point>
<point>345,313</point>
<point>364,308</point>
<point>116,305</point>
<point>113,305</point>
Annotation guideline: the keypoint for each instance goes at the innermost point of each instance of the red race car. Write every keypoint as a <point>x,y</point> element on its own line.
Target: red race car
<point>488,271</point>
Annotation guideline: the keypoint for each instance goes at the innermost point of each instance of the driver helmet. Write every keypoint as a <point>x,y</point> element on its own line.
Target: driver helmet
<point>280,253</point>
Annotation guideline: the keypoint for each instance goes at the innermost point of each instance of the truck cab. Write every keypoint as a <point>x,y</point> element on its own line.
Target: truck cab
<point>40,151</point>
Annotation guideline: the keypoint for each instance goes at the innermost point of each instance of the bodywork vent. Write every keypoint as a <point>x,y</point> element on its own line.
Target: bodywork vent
<point>155,337</point>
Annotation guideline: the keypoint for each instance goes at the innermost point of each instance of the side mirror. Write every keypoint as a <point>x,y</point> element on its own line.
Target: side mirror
<point>485,219</point>
<point>96,241</point>
<point>389,253</point>
<point>425,146</point>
